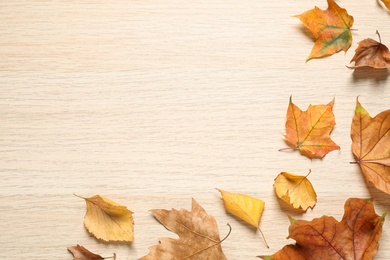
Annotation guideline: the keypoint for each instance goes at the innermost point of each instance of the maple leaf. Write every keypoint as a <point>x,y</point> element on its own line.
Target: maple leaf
<point>371,146</point>
<point>244,207</point>
<point>108,220</point>
<point>371,53</point>
<point>330,27</point>
<point>295,190</point>
<point>198,235</point>
<point>356,236</point>
<point>308,131</point>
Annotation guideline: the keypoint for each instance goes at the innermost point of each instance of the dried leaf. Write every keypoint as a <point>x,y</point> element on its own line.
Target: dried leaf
<point>386,3</point>
<point>295,190</point>
<point>330,27</point>
<point>308,131</point>
<point>371,146</point>
<point>371,53</point>
<point>108,220</point>
<point>198,235</point>
<point>356,236</point>
<point>244,207</point>
<point>81,253</point>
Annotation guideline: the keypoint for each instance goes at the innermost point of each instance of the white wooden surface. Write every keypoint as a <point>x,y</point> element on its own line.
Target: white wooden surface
<point>152,103</point>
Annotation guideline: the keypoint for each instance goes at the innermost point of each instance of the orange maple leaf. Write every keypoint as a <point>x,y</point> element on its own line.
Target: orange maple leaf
<point>371,53</point>
<point>308,131</point>
<point>198,235</point>
<point>371,146</point>
<point>330,27</point>
<point>355,237</point>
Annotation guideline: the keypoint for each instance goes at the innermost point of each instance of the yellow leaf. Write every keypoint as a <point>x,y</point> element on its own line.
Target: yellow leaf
<point>108,220</point>
<point>244,207</point>
<point>295,190</point>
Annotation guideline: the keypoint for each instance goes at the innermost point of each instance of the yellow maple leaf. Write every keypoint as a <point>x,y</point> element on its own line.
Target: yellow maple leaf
<point>295,190</point>
<point>108,220</point>
<point>244,207</point>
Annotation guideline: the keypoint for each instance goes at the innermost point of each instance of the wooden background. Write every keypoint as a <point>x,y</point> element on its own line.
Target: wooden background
<point>151,103</point>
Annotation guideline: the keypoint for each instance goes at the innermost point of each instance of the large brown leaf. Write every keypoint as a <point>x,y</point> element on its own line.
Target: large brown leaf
<point>354,237</point>
<point>371,146</point>
<point>308,131</point>
<point>198,235</point>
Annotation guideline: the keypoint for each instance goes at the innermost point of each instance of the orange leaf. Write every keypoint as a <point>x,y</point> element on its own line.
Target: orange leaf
<point>308,131</point>
<point>371,53</point>
<point>108,220</point>
<point>81,253</point>
<point>295,190</point>
<point>356,236</point>
<point>330,27</point>
<point>198,235</point>
<point>386,3</point>
<point>371,146</point>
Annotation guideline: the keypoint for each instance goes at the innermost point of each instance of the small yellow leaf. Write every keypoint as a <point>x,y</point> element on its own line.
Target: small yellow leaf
<point>243,207</point>
<point>295,190</point>
<point>108,220</point>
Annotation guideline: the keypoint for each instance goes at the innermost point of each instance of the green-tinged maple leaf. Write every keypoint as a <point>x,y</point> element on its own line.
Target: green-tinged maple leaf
<point>330,27</point>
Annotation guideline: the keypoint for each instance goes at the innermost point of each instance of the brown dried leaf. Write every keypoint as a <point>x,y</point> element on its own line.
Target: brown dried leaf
<point>355,237</point>
<point>371,53</point>
<point>81,253</point>
<point>198,235</point>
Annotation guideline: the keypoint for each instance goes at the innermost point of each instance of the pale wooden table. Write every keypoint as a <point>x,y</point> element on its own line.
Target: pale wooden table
<point>152,103</point>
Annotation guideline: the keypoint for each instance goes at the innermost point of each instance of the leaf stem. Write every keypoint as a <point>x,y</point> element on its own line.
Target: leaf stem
<point>78,196</point>
<point>109,257</point>
<point>308,173</point>
<point>286,149</point>
<point>228,234</point>
<point>262,234</point>
<point>379,36</point>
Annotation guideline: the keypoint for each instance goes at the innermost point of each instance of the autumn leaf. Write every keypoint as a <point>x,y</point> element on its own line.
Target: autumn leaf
<point>81,253</point>
<point>244,207</point>
<point>108,220</point>
<point>308,131</point>
<point>295,190</point>
<point>371,146</point>
<point>371,53</point>
<point>356,236</point>
<point>386,3</point>
<point>331,29</point>
<point>198,235</point>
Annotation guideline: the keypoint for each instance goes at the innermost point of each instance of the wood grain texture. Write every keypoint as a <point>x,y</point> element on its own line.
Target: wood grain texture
<point>152,103</point>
